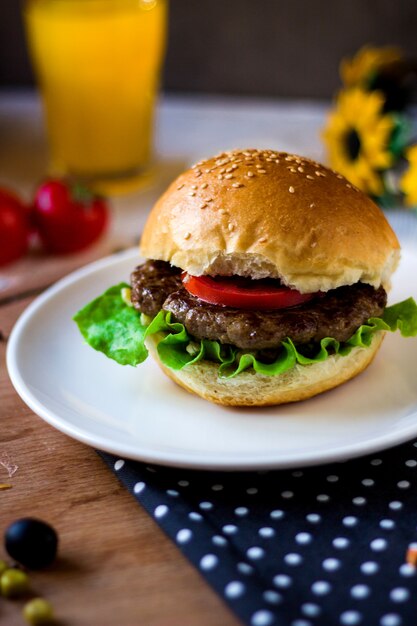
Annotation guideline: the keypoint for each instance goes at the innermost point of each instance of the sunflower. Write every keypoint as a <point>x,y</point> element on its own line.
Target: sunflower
<point>360,69</point>
<point>408,183</point>
<point>357,136</point>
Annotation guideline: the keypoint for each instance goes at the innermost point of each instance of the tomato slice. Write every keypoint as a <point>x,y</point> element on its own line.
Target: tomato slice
<point>244,293</point>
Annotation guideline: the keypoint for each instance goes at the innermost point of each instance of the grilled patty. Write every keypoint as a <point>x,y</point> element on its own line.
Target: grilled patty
<point>338,313</point>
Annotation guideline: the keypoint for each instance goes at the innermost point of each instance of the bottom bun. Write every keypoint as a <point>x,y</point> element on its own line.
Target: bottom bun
<point>251,389</point>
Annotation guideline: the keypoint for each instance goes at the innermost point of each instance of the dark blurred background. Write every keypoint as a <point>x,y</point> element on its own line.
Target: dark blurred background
<point>287,48</point>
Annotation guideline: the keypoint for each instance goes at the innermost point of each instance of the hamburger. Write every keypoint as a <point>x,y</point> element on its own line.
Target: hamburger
<point>265,282</point>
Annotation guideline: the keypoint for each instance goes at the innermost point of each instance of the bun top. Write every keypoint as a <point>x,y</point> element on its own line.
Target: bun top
<point>263,213</point>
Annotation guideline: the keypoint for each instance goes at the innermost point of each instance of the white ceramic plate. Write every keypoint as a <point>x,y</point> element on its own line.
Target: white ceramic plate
<point>140,414</point>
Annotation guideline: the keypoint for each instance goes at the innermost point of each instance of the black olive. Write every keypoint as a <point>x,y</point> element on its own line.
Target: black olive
<point>31,542</point>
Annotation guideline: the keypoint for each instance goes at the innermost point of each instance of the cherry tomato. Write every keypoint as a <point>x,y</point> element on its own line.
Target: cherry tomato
<point>243,293</point>
<point>14,227</point>
<point>68,217</point>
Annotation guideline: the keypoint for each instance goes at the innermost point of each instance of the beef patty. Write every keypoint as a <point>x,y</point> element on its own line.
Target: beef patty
<point>338,313</point>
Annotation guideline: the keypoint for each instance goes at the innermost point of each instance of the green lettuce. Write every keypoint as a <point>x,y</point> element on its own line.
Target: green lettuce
<point>111,325</point>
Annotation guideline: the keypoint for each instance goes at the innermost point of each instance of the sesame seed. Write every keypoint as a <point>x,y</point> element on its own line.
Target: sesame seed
<point>192,193</point>
<point>313,204</point>
<point>198,174</point>
<point>339,176</point>
<point>204,206</point>
<point>262,240</point>
<point>229,169</point>
<point>204,186</point>
<point>291,189</point>
<point>292,170</point>
<point>194,186</point>
<point>223,211</point>
<point>310,177</point>
<point>187,235</point>
<point>348,185</point>
<point>236,185</point>
<point>277,161</point>
<point>220,177</point>
<point>250,174</point>
<point>209,199</point>
<point>180,186</point>
<point>258,166</point>
<point>231,227</point>
<point>317,173</point>
<point>261,171</point>
<point>300,169</point>
<point>229,176</point>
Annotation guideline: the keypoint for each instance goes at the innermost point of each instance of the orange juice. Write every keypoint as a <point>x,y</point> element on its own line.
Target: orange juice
<point>98,65</point>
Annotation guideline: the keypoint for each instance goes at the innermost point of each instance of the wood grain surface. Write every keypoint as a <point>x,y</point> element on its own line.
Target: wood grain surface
<point>115,567</point>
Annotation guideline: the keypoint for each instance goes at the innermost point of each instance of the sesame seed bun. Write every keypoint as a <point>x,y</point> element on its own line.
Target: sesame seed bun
<point>262,213</point>
<point>252,389</point>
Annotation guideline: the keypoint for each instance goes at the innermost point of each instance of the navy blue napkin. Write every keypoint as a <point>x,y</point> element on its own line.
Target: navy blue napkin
<point>317,546</point>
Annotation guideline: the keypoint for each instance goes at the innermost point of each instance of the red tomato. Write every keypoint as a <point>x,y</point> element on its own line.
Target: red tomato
<point>243,293</point>
<point>14,227</point>
<point>68,218</point>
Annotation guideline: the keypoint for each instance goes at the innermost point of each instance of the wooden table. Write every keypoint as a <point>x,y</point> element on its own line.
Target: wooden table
<point>115,566</point>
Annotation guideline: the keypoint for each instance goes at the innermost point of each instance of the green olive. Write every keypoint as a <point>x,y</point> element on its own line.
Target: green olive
<point>13,583</point>
<point>38,611</point>
<point>3,566</point>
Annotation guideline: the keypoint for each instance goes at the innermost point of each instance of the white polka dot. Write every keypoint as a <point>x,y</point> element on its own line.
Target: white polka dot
<point>234,589</point>
<point>241,511</point>
<point>251,491</point>
<point>217,487</point>
<point>341,543</point>
<point>183,483</point>
<point>332,478</point>
<point>349,521</point>
<point>369,567</point>
<point>139,487</point>
<point>303,538</point>
<point>368,482</point>
<point>395,505</point>
<point>390,619</point>
<point>411,463</point>
<point>313,518</point>
<point>244,568</point>
<point>230,529</point>
<point>399,594</point>
<point>206,506</point>
<point>273,597</point>
<point>297,474</point>
<point>196,517</point>
<point>282,581</point>
<point>266,532</point>
<point>359,501</point>
<point>376,462</point>
<point>387,524</point>
<point>277,514</point>
<point>160,511</point>
<point>403,484</point>
<point>287,494</point>
<point>209,561</point>
<point>310,610</point>
<point>349,618</point>
<point>173,493</point>
<point>119,464</point>
<point>360,591</point>
<point>331,565</point>
<point>323,497</point>
<point>406,569</point>
<point>293,559</point>
<point>184,535</point>
<point>377,545</point>
<point>218,540</point>
<point>262,618</point>
<point>321,587</point>
<point>255,553</point>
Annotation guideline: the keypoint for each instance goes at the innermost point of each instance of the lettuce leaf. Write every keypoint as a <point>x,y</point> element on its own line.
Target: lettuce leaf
<point>110,325</point>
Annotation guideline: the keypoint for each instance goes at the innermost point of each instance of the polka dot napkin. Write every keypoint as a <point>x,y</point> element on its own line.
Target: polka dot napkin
<point>318,546</point>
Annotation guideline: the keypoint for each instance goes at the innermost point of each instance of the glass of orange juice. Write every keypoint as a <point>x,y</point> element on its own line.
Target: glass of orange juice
<point>98,66</point>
